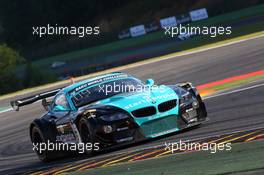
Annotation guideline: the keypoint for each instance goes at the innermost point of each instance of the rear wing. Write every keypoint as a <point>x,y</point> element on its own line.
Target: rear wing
<point>16,104</point>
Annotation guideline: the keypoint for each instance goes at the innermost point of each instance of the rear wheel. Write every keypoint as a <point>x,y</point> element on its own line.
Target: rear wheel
<point>39,140</point>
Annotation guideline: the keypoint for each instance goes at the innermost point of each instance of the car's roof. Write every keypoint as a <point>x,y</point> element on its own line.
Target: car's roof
<point>107,77</point>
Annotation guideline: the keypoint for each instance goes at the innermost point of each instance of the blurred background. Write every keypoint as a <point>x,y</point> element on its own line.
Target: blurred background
<point>27,60</point>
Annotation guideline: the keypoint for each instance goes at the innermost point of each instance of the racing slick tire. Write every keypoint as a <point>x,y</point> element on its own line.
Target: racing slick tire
<point>86,134</point>
<point>37,138</point>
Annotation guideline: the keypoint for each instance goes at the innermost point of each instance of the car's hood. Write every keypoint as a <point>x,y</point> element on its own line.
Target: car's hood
<point>135,100</point>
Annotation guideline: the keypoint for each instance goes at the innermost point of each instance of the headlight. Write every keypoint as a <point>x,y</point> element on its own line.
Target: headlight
<point>114,117</point>
<point>108,129</point>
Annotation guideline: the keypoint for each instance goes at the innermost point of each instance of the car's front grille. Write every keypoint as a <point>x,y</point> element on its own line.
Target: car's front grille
<point>167,105</point>
<point>144,112</point>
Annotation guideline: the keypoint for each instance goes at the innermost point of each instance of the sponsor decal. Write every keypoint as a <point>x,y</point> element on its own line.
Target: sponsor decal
<point>148,99</point>
<point>66,138</point>
<point>96,81</point>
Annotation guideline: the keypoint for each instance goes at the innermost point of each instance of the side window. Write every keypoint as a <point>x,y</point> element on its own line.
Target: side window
<point>61,100</point>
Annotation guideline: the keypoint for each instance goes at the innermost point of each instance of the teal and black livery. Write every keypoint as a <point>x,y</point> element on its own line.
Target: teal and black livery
<point>113,109</point>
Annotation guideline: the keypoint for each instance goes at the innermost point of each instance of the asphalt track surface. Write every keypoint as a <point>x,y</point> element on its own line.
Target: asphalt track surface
<point>238,111</point>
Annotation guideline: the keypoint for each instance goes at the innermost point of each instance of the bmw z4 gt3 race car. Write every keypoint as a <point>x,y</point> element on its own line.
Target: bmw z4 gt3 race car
<point>112,110</point>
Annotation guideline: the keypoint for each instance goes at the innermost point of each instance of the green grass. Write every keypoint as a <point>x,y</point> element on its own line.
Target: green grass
<point>242,157</point>
<point>132,42</point>
<point>203,40</point>
<point>90,52</point>
<point>233,16</point>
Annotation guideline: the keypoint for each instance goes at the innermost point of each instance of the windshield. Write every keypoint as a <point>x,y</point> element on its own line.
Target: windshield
<point>105,90</point>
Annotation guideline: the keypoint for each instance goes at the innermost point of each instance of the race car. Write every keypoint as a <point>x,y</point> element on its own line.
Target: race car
<point>111,110</point>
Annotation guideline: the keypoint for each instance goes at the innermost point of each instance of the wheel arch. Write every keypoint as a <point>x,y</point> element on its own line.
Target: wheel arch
<point>45,128</point>
<point>35,123</point>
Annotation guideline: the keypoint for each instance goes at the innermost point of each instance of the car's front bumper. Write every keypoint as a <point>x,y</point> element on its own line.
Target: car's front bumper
<point>127,131</point>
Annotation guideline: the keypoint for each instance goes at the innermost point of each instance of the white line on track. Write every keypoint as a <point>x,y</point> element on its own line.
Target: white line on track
<point>6,110</point>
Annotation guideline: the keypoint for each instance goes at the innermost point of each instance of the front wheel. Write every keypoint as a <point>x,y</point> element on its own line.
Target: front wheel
<point>86,134</point>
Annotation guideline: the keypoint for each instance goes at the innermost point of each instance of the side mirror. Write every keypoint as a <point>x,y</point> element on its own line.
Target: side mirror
<point>150,82</point>
<point>46,104</point>
<point>60,108</point>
